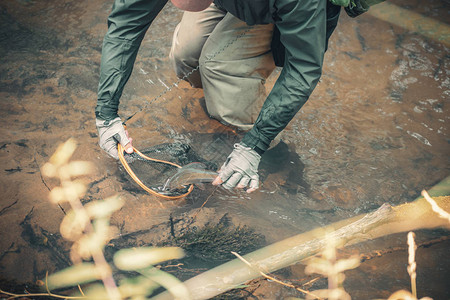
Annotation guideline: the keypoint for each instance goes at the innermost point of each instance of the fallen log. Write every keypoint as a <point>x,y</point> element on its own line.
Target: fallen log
<point>386,220</point>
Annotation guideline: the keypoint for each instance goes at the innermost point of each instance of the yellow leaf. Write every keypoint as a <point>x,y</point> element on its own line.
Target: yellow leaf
<point>78,168</point>
<point>346,264</point>
<point>402,295</point>
<point>96,291</point>
<point>72,225</point>
<point>49,170</point>
<point>140,258</point>
<point>170,282</point>
<point>78,274</point>
<point>74,190</point>
<point>63,153</point>
<point>105,208</point>
<point>57,195</point>
<point>136,287</point>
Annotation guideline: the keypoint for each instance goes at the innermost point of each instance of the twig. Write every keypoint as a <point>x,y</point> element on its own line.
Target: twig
<point>37,295</point>
<point>81,291</point>
<point>6,207</point>
<point>312,281</point>
<point>9,251</point>
<point>412,262</point>
<point>210,195</point>
<point>40,294</point>
<point>178,266</point>
<point>442,213</point>
<point>40,173</point>
<point>274,279</point>
<point>379,253</point>
<point>28,216</point>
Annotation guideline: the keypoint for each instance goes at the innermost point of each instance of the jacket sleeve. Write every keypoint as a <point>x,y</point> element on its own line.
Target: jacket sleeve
<point>302,26</point>
<point>127,25</point>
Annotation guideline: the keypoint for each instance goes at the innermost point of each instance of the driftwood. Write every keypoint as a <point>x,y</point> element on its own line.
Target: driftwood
<point>384,221</point>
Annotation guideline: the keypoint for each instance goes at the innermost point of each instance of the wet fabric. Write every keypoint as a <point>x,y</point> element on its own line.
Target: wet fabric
<point>127,25</point>
<point>303,33</point>
<point>278,49</point>
<point>252,12</point>
<point>358,7</point>
<point>232,70</point>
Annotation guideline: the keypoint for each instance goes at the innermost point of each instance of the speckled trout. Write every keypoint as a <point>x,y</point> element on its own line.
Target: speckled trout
<point>193,173</point>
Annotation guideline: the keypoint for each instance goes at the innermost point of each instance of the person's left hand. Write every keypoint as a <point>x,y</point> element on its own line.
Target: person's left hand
<point>240,169</point>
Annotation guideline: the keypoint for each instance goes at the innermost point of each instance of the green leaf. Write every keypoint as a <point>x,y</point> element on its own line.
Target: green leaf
<point>137,287</point>
<point>96,291</point>
<point>78,274</point>
<point>144,257</point>
<point>170,282</point>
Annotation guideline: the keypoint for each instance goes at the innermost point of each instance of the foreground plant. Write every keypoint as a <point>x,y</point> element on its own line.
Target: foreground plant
<point>89,229</point>
<point>329,266</point>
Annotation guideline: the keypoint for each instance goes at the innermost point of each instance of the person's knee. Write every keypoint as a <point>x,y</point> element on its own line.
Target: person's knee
<point>184,56</point>
<point>176,59</point>
<point>177,52</point>
<point>210,69</point>
<point>186,48</point>
<point>179,56</point>
<point>202,65</point>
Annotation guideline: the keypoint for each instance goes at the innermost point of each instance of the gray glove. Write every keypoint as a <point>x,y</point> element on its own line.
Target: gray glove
<point>240,169</point>
<point>110,133</point>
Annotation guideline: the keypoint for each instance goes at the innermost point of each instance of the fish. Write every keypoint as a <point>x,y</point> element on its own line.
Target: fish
<point>193,173</point>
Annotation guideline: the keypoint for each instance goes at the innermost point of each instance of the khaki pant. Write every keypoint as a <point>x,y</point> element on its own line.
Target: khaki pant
<point>235,60</point>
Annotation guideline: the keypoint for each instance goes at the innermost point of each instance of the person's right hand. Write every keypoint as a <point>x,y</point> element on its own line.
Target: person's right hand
<point>240,169</point>
<point>110,133</point>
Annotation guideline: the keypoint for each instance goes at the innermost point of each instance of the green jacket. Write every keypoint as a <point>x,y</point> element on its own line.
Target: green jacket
<point>127,25</point>
<point>300,40</point>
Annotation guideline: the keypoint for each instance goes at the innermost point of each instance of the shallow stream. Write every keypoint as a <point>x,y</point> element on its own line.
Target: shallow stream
<point>374,131</point>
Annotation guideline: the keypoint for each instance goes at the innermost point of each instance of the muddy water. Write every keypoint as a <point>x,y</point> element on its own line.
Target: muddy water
<point>375,130</point>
